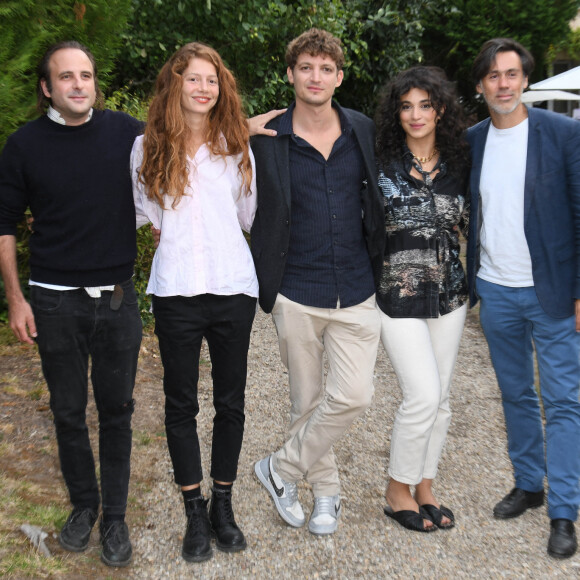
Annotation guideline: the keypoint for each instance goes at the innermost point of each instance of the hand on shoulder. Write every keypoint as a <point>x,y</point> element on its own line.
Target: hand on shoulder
<point>257,124</point>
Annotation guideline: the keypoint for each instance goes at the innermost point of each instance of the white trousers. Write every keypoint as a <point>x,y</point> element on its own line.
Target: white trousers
<point>423,352</point>
<point>320,414</point>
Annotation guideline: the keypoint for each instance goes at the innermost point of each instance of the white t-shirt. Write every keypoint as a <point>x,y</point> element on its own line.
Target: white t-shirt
<point>202,248</point>
<point>505,256</point>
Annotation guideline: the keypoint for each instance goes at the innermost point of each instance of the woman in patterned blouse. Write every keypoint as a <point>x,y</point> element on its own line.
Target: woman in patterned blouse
<point>423,170</point>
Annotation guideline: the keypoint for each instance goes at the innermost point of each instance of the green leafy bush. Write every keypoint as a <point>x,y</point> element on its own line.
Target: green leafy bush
<point>380,38</point>
<point>30,26</point>
<point>456,29</point>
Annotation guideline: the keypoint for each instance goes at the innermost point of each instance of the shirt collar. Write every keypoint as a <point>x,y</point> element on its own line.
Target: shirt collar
<point>55,116</point>
<point>285,127</point>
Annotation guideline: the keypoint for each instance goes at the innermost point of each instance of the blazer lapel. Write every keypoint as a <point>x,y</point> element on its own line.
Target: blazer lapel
<point>477,150</point>
<point>533,160</point>
<point>281,146</point>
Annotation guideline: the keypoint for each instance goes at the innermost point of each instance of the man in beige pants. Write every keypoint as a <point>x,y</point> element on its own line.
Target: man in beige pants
<point>317,263</point>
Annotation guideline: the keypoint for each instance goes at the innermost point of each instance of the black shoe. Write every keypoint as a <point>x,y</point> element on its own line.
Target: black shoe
<point>196,542</point>
<point>117,549</point>
<point>76,532</point>
<point>516,502</point>
<point>229,537</point>
<point>562,542</point>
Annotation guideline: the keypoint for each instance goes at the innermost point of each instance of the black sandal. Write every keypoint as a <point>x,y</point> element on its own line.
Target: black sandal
<point>436,515</point>
<point>411,520</point>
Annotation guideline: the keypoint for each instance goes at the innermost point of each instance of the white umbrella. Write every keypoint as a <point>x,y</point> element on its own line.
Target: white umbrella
<point>566,81</point>
<point>537,96</point>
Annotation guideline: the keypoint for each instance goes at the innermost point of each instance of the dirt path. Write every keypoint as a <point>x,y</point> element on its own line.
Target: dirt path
<point>474,474</point>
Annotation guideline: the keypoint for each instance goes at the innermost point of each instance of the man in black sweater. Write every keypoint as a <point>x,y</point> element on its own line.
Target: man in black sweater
<point>70,167</point>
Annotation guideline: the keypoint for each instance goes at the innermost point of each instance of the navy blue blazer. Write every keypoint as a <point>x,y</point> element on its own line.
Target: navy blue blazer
<point>270,233</point>
<point>551,208</point>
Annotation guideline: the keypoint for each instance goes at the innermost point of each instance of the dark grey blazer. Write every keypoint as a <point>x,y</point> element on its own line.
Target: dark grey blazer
<point>271,229</point>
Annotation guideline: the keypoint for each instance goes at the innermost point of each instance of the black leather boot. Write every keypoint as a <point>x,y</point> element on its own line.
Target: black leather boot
<point>196,542</point>
<point>76,532</point>
<point>117,549</point>
<point>229,537</point>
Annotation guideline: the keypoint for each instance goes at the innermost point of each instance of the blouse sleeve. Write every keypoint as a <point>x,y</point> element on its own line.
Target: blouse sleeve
<point>246,204</point>
<point>145,210</point>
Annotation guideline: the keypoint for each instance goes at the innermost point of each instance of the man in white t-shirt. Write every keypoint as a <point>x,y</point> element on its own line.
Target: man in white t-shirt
<point>523,263</point>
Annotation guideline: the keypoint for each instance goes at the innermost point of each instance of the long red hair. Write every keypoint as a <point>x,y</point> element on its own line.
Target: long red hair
<point>164,167</point>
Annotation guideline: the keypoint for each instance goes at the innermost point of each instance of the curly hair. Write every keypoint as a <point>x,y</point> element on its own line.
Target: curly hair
<point>315,42</point>
<point>450,132</point>
<point>43,74</point>
<point>164,167</point>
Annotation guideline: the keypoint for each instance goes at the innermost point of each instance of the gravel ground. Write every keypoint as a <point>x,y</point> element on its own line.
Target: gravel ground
<point>474,474</point>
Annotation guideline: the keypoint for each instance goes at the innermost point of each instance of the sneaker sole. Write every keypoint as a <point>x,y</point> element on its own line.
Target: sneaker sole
<point>282,513</point>
<point>323,531</point>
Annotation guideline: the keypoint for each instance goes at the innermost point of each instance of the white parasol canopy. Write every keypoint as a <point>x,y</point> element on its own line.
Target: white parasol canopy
<point>566,81</point>
<point>538,96</point>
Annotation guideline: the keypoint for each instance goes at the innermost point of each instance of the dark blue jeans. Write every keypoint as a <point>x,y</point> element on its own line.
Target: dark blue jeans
<point>72,327</point>
<point>180,324</point>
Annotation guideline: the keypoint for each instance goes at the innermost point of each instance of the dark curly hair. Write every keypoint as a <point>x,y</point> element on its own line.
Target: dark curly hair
<point>450,132</point>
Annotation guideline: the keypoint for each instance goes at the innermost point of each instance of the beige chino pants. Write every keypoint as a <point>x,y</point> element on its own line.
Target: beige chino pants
<point>319,413</point>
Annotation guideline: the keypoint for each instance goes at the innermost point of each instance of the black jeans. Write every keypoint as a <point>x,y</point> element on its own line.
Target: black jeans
<point>71,327</point>
<point>180,324</point>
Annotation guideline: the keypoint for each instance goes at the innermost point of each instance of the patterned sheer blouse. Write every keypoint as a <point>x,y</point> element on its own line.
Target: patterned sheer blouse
<point>422,274</point>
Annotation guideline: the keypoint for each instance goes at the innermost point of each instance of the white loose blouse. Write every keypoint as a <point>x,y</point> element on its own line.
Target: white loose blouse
<point>202,248</point>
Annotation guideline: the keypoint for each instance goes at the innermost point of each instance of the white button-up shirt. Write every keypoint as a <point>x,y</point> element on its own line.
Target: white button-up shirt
<point>202,248</point>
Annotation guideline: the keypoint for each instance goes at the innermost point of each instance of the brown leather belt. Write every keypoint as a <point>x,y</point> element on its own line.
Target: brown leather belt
<point>117,297</point>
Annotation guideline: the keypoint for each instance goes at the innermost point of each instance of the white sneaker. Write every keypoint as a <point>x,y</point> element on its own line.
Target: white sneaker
<point>284,493</point>
<point>324,517</point>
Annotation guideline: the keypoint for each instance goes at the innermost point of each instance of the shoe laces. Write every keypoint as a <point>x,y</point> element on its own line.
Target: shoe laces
<point>325,505</point>
<point>197,514</point>
<point>116,533</point>
<point>291,492</point>
<point>223,506</point>
<point>81,517</point>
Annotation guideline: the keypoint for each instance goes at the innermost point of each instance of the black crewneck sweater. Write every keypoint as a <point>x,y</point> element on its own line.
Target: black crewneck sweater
<point>77,183</point>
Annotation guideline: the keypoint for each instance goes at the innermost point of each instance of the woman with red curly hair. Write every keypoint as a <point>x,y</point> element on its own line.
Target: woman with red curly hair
<point>194,179</point>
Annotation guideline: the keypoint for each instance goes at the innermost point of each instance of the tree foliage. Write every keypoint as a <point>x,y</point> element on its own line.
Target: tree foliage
<point>30,26</point>
<point>131,39</point>
<point>380,37</point>
<point>456,29</point>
